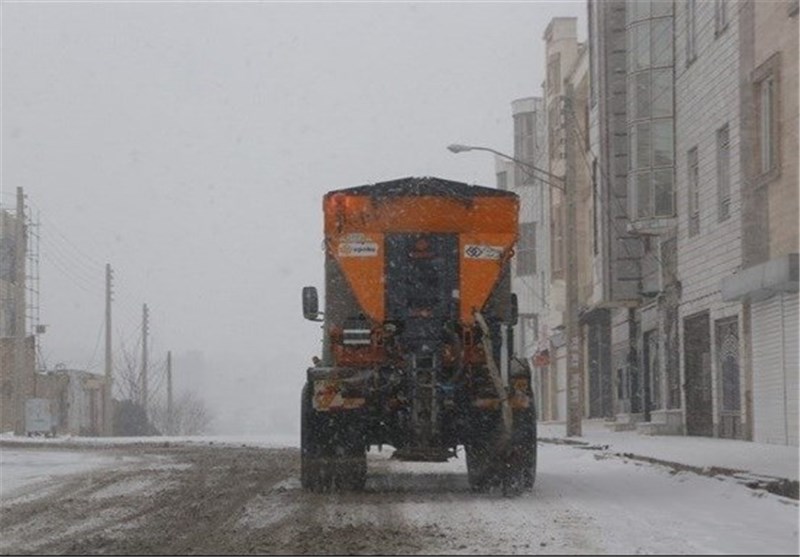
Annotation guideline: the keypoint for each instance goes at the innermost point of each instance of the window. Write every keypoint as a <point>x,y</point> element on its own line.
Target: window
<point>644,206</point>
<point>650,99</point>
<point>691,37</point>
<point>766,117</point>
<point>693,169</point>
<point>662,93</point>
<point>595,203</point>
<point>529,333</point>
<point>502,180</point>
<point>632,148</point>
<point>524,146</point>
<point>651,178</point>
<point>766,96</point>
<point>643,159</point>
<point>642,44</point>
<point>592,55</point>
<point>526,249</point>
<point>723,174</point>
<point>637,10</point>
<point>662,186</point>
<point>642,95</point>
<point>662,42</point>
<point>661,8</point>
<point>720,16</point>
<point>662,142</point>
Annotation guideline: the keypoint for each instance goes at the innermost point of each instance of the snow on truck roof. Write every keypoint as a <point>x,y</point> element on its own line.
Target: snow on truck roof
<point>422,187</point>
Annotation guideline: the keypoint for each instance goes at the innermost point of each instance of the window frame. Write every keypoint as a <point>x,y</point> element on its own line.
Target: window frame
<point>768,72</point>
<point>527,264</point>
<point>721,18</point>
<point>691,32</point>
<point>693,190</point>
<point>723,173</point>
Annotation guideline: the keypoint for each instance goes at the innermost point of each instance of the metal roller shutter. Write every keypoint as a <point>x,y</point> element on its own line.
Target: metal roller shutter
<point>775,370</point>
<point>791,316</point>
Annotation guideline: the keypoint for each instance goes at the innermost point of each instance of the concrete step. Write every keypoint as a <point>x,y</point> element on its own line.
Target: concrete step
<point>654,428</point>
<point>620,426</point>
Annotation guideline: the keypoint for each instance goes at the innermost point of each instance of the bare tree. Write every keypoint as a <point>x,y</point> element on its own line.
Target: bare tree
<point>190,415</point>
<point>127,384</point>
<point>130,418</point>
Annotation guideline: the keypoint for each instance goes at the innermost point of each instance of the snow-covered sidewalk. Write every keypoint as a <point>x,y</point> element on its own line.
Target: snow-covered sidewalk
<point>760,459</point>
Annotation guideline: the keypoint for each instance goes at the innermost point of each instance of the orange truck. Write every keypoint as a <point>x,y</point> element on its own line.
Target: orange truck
<point>418,326</point>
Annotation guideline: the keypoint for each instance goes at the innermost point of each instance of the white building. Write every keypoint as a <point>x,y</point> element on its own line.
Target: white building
<point>531,266</point>
<point>766,279</point>
<point>562,51</point>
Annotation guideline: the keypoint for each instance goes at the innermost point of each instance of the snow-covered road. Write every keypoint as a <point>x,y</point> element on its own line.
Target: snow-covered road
<point>195,498</point>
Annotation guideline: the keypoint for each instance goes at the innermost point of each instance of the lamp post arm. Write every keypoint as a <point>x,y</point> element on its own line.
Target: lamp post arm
<point>462,148</point>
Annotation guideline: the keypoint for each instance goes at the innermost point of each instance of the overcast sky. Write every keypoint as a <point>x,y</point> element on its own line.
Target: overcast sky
<point>189,145</point>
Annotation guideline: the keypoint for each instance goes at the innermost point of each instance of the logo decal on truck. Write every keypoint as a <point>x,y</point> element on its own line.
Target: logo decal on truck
<point>358,249</point>
<point>483,252</point>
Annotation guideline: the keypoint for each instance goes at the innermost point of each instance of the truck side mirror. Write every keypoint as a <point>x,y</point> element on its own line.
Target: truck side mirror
<point>310,303</point>
<point>514,317</point>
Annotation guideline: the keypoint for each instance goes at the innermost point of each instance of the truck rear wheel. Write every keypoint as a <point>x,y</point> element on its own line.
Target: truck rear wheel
<point>482,452</point>
<point>513,467</point>
<point>521,465</point>
<point>333,453</point>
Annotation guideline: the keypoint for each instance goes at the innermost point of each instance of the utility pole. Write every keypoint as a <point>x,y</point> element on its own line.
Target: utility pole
<point>108,418</point>
<point>170,424</point>
<point>145,330</point>
<point>574,373</point>
<point>20,388</point>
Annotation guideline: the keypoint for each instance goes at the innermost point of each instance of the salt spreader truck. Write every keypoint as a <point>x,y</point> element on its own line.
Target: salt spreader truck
<point>418,326</point>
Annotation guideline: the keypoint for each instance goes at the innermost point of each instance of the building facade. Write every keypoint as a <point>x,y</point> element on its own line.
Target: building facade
<point>704,321</point>
<point>531,267</point>
<point>765,284</point>
<point>562,51</point>
<point>76,400</point>
<point>614,253</point>
<point>682,141</point>
<point>17,348</point>
<point>709,186</point>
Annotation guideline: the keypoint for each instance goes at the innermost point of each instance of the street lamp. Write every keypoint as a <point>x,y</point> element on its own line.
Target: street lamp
<point>458,148</point>
<point>574,371</point>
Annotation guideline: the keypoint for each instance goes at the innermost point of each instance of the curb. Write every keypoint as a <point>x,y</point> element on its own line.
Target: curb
<point>782,487</point>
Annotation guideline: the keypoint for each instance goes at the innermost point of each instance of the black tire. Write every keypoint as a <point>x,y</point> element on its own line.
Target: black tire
<point>478,466</point>
<point>333,453</point>
<point>521,463</point>
<point>350,458</point>
<point>482,452</point>
<point>489,465</point>
<point>309,466</point>
<point>529,478</point>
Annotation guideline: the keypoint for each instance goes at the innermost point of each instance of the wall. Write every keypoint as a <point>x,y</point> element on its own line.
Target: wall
<point>10,410</point>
